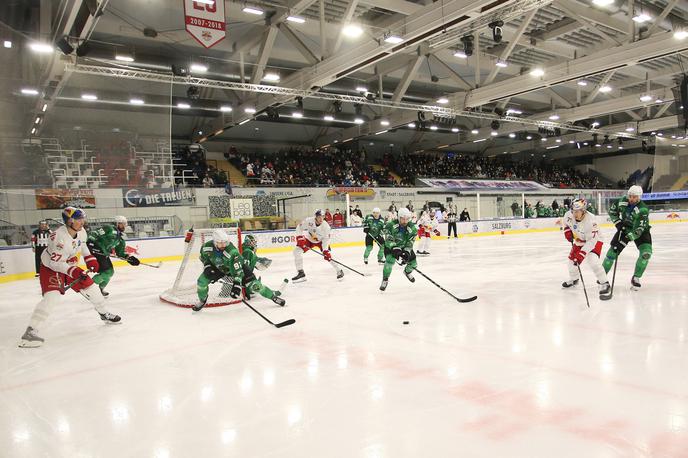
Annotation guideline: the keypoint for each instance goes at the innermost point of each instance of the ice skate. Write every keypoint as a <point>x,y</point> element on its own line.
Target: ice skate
<point>410,277</point>
<point>635,283</point>
<point>278,300</point>
<point>200,305</point>
<point>299,277</point>
<point>30,339</point>
<point>383,285</point>
<point>102,291</point>
<point>605,291</point>
<point>340,274</point>
<point>110,318</point>
<point>569,283</point>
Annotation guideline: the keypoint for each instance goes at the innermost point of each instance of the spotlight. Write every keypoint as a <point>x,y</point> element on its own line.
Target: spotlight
<point>337,106</point>
<point>496,30</point>
<point>193,93</point>
<point>180,70</point>
<point>84,49</point>
<point>273,113</point>
<point>494,125</point>
<point>467,45</point>
<point>64,46</point>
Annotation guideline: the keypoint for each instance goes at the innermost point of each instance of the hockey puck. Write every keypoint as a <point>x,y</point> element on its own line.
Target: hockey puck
<point>406,322</point>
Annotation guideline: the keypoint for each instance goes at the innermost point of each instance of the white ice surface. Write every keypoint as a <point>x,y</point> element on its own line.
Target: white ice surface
<point>527,370</point>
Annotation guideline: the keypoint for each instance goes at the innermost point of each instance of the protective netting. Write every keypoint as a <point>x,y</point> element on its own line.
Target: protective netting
<point>183,291</point>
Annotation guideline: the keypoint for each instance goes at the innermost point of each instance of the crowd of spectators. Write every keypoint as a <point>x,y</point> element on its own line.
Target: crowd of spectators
<point>412,166</point>
<point>303,167</point>
<point>193,158</point>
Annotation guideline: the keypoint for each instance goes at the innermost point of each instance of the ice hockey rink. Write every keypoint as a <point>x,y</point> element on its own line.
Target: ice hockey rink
<point>526,370</point>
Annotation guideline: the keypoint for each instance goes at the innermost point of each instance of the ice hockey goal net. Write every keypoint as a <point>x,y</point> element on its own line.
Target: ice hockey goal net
<point>183,291</point>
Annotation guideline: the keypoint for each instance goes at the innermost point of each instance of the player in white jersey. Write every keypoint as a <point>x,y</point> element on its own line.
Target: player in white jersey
<point>580,228</point>
<point>313,232</point>
<point>59,270</point>
<point>427,226</point>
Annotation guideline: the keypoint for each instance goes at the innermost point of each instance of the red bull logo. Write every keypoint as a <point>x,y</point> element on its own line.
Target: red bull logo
<point>673,216</point>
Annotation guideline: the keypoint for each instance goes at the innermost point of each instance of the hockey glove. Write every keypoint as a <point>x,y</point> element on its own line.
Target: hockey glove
<point>212,273</point>
<point>568,234</point>
<point>436,232</point>
<point>579,257</point>
<point>236,291</point>
<point>327,255</point>
<point>619,226</point>
<point>396,252</point>
<point>366,230</point>
<point>629,236</point>
<point>91,263</point>
<point>77,272</point>
<point>133,260</point>
<point>405,257</point>
<point>263,263</point>
<point>300,239</point>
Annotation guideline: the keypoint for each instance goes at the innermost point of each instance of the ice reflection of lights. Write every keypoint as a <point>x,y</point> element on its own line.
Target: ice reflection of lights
<point>630,316</point>
<point>21,435</point>
<point>63,426</point>
<point>313,366</point>
<point>165,404</point>
<point>376,392</point>
<point>120,414</point>
<point>228,436</point>
<point>268,377</point>
<point>206,393</point>
<point>516,348</point>
<point>342,361</point>
<point>481,330</point>
<point>162,453</point>
<point>246,383</point>
<point>678,422</point>
<point>452,372</point>
<point>294,415</point>
<point>606,364</point>
<point>499,324</point>
<point>374,451</point>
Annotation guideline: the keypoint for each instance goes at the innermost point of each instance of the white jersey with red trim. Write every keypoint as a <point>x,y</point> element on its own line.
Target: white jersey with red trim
<point>429,224</point>
<point>314,233</point>
<point>62,250</point>
<point>586,233</point>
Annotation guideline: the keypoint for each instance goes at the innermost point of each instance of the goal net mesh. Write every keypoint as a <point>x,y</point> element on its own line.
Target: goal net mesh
<point>183,291</point>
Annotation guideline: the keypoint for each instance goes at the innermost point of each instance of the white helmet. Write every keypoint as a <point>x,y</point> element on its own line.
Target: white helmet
<point>220,236</point>
<point>376,210</point>
<point>121,219</point>
<point>579,204</point>
<point>635,190</point>
<point>404,213</point>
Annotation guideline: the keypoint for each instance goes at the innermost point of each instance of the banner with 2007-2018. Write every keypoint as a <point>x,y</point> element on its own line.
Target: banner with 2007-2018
<point>205,21</point>
<point>53,199</point>
<point>158,197</point>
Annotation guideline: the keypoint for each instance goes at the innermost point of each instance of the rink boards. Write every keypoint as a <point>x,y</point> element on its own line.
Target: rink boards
<point>17,263</point>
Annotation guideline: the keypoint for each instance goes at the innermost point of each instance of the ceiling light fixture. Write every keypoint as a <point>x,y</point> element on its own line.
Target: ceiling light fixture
<point>225,108</point>
<point>41,48</point>
<point>443,100</point>
<point>455,129</point>
<point>501,63</point>
<point>494,133</point>
<point>124,58</point>
<point>183,105</point>
<point>474,131</point>
<point>29,91</point>
<point>412,125</point>
<point>554,117</point>
<point>198,68</point>
<point>328,118</point>
<point>136,101</point>
<point>681,34</point>
<point>384,122</point>
<point>252,10</point>
<point>468,45</point>
<point>645,98</point>
<point>460,54</point>
<point>358,120</point>
<point>603,2</point>
<point>512,135</point>
<point>537,72</point>
<point>296,19</point>
<point>604,89</point>
<point>7,44</point>
<point>352,30</point>
<point>249,110</point>
<point>393,39</point>
<point>297,114</point>
<point>90,97</point>
<point>433,127</point>
<point>582,83</point>
<point>361,89</point>
<point>271,76</point>
<point>641,18</point>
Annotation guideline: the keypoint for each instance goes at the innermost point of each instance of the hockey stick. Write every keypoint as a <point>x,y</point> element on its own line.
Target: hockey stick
<point>580,274</point>
<point>156,265</point>
<point>462,300</point>
<point>278,325</point>
<point>343,265</point>
<point>611,293</point>
<point>69,286</point>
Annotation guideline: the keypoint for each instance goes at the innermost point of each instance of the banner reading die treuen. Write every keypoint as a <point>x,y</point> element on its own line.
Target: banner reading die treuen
<point>205,21</point>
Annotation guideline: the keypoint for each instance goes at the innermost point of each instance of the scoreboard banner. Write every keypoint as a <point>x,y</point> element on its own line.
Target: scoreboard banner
<point>205,21</point>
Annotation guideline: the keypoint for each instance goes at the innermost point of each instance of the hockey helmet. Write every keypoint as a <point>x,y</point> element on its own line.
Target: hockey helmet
<point>220,236</point>
<point>635,190</point>
<point>250,241</point>
<point>70,213</point>
<point>579,204</point>
<point>404,213</point>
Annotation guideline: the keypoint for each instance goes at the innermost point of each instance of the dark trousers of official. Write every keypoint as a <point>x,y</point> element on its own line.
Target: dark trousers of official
<point>452,226</point>
<point>38,253</point>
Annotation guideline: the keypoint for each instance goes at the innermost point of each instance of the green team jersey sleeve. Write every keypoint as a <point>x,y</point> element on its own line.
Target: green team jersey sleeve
<point>399,236</point>
<point>640,221</point>
<point>375,226</point>
<point>228,261</point>
<point>614,213</point>
<point>106,239</point>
